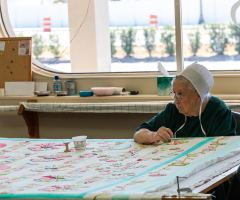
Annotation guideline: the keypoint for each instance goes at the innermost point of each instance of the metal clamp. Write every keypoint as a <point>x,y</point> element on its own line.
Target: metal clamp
<point>183,189</point>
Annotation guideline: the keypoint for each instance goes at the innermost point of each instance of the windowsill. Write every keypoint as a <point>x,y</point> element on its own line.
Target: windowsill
<point>14,100</point>
<point>39,71</point>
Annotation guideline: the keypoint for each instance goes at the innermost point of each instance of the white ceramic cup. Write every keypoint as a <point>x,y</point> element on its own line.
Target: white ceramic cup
<point>2,92</point>
<point>80,142</point>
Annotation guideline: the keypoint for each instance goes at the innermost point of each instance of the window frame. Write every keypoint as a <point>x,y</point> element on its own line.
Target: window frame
<point>6,30</point>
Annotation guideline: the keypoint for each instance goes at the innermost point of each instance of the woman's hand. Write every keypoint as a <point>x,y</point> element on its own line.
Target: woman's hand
<point>163,134</point>
<point>144,136</point>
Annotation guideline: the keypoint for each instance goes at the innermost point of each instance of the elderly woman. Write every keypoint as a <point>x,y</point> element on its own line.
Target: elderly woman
<point>194,113</point>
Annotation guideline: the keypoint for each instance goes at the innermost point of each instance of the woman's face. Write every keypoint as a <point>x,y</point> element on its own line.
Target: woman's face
<point>186,100</point>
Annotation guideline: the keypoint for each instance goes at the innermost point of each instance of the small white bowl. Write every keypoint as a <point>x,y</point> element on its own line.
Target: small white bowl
<point>103,91</point>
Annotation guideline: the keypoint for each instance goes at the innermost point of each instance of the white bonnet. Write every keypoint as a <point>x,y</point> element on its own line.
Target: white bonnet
<point>200,77</point>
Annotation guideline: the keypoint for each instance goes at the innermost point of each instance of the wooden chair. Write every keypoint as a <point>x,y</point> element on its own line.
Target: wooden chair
<point>237,117</point>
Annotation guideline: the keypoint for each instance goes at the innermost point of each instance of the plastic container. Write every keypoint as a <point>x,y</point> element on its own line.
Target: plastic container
<point>85,93</point>
<point>70,87</point>
<point>57,84</point>
<point>103,91</point>
<point>80,142</point>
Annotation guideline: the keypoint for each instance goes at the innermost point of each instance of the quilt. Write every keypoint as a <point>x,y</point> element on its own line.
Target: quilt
<point>107,169</point>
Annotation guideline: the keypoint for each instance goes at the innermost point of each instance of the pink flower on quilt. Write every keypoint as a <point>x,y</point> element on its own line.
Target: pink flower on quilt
<point>2,145</point>
<point>5,156</point>
<point>43,147</point>
<point>4,167</point>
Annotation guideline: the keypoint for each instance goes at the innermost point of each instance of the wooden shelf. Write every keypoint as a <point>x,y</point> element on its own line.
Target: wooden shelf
<point>78,99</point>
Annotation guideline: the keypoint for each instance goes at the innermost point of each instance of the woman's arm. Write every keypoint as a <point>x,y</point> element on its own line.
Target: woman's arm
<point>144,136</point>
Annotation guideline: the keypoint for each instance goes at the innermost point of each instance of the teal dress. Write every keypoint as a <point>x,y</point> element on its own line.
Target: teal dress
<point>217,120</point>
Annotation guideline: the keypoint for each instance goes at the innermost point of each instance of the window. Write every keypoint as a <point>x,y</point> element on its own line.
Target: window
<point>151,24</point>
<point>142,33</point>
<point>209,34</point>
<point>103,28</point>
<point>47,22</point>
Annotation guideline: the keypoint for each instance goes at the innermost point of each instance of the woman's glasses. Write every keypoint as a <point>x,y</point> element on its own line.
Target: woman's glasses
<point>173,95</point>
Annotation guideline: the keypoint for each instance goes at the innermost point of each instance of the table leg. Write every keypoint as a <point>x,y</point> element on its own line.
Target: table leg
<point>31,119</point>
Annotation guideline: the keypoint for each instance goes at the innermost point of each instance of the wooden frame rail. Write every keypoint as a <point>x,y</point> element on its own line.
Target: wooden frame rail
<point>186,198</point>
<point>216,181</point>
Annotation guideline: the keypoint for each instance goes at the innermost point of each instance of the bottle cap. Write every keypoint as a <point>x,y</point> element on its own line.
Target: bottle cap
<point>56,77</point>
